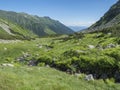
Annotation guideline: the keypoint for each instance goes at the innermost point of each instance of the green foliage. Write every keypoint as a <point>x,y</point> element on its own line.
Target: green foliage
<point>46,59</point>
<point>118,40</point>
<point>110,81</point>
<point>73,55</point>
<point>41,64</point>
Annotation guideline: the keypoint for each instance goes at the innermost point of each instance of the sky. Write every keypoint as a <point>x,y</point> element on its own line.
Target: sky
<point>69,12</point>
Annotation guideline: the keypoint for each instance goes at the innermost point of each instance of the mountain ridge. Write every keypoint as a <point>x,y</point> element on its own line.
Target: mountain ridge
<point>41,26</point>
<point>110,19</point>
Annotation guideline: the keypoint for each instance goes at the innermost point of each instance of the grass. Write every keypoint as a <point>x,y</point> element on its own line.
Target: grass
<point>19,33</point>
<point>64,55</point>
<point>42,78</point>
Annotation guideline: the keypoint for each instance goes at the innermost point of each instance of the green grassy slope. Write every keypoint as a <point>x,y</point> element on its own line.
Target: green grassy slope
<point>71,53</point>
<point>17,31</point>
<point>42,78</point>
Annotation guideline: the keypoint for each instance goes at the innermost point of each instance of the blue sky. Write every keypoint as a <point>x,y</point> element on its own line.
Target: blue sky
<point>69,12</point>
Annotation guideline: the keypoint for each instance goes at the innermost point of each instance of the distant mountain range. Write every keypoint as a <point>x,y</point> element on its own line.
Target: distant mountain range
<point>41,26</point>
<point>77,28</point>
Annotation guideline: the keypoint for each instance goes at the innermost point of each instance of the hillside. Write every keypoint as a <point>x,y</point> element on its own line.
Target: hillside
<point>43,78</point>
<point>10,31</point>
<point>110,20</point>
<point>78,61</point>
<point>38,25</point>
<point>97,54</point>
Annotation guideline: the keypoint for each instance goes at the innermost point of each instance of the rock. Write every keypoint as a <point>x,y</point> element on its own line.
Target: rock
<point>89,77</point>
<point>5,48</point>
<point>26,54</point>
<point>47,66</point>
<point>109,33</point>
<point>99,47</point>
<point>80,51</point>
<point>111,45</point>
<point>91,46</point>
<point>9,41</point>
<point>10,65</point>
<point>20,59</point>
<point>68,71</point>
<point>40,46</point>
<point>7,64</point>
<point>32,63</point>
<point>77,75</point>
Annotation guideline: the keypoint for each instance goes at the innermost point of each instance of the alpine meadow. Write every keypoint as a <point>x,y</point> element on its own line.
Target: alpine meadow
<point>42,53</point>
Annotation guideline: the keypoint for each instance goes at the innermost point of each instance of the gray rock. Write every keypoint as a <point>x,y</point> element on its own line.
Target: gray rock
<point>91,46</point>
<point>20,59</point>
<point>32,63</point>
<point>77,75</point>
<point>89,77</point>
<point>111,45</point>
<point>80,51</point>
<point>7,64</point>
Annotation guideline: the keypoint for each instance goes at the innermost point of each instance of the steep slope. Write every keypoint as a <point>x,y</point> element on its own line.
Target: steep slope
<point>110,18</point>
<point>39,25</point>
<point>10,30</point>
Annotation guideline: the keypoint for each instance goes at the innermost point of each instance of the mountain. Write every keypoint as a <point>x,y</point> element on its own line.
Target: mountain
<point>111,19</point>
<point>38,25</point>
<point>77,28</point>
<point>9,30</point>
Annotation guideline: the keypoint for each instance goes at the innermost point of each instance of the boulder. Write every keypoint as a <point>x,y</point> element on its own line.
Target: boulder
<point>32,63</point>
<point>7,64</point>
<point>5,48</point>
<point>91,46</point>
<point>77,75</point>
<point>21,59</point>
<point>89,77</point>
<point>111,45</point>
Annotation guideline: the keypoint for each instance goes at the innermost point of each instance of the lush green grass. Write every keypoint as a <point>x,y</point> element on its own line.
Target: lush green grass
<point>63,53</point>
<point>42,78</point>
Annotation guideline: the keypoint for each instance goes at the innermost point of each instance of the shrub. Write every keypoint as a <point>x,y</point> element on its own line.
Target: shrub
<point>46,59</point>
<point>42,64</point>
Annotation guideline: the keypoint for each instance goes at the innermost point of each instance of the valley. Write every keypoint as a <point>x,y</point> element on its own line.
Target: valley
<point>40,53</point>
<point>97,54</point>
